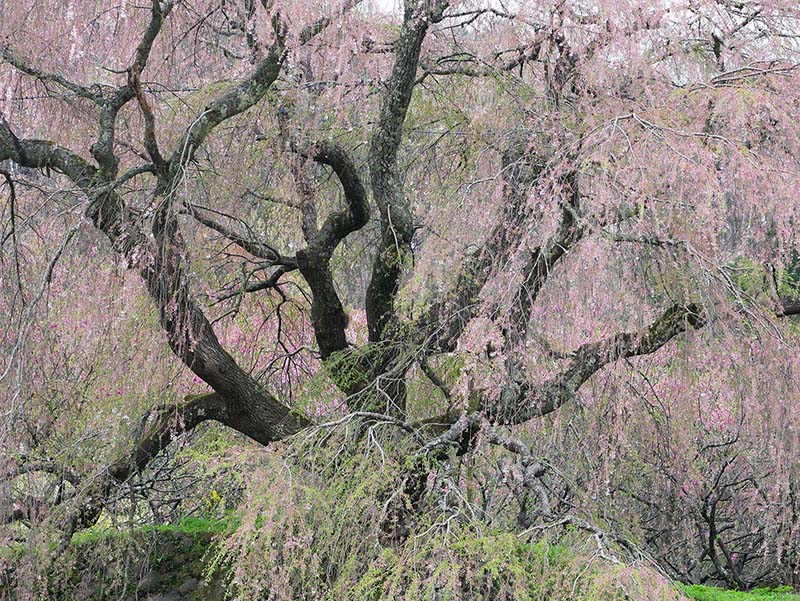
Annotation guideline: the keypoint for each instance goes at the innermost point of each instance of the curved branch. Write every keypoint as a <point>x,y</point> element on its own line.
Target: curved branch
<point>522,401</point>
<point>165,424</point>
<point>243,96</point>
<point>150,140</point>
<point>44,467</point>
<point>340,224</point>
<point>160,429</point>
<point>327,314</point>
<point>16,60</point>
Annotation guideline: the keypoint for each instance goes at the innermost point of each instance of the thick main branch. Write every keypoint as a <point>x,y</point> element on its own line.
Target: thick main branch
<point>397,228</point>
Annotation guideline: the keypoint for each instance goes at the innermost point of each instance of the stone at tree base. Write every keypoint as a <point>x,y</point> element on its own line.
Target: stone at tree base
<point>213,591</point>
<point>149,583</point>
<point>189,585</point>
<point>168,596</point>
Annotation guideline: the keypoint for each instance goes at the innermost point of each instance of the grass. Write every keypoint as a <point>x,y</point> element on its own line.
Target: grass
<point>192,526</point>
<point>708,593</point>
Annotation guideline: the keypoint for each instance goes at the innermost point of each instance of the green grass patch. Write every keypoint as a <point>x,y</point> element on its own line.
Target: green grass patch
<point>191,526</point>
<point>709,593</point>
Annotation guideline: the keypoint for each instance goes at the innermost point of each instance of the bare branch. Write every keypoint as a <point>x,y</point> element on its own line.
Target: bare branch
<point>242,97</point>
<point>256,248</point>
<point>272,282</point>
<point>15,59</point>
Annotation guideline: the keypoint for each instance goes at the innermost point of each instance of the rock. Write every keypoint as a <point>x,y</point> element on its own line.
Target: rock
<point>168,596</point>
<point>149,583</point>
<point>213,591</point>
<point>189,585</point>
